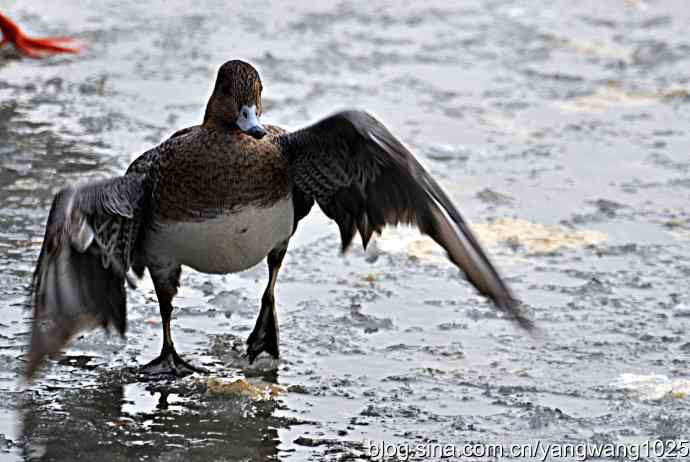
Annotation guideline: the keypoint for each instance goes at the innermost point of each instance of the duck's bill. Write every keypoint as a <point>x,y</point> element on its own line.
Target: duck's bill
<point>249,122</point>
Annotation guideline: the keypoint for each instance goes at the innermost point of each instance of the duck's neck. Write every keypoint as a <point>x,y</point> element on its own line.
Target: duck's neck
<point>217,115</point>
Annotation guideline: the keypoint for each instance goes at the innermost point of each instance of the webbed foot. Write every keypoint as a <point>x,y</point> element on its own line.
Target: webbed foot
<point>264,337</point>
<point>170,363</point>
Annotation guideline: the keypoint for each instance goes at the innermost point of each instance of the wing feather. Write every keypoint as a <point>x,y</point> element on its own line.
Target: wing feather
<point>364,178</point>
<point>79,281</point>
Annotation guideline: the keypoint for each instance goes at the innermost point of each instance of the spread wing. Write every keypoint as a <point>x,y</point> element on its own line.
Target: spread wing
<point>364,178</point>
<point>79,278</point>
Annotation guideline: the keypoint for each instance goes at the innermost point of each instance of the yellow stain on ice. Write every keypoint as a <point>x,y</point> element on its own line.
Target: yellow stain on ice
<point>241,387</point>
<point>534,237</point>
<point>614,96</point>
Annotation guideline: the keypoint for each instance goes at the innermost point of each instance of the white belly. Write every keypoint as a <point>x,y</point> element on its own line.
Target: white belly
<point>226,244</point>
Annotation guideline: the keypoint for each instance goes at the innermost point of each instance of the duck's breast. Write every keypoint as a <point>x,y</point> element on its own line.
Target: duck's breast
<point>231,242</point>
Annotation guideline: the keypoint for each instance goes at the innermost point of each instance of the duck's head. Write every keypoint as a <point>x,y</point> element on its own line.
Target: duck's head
<point>235,103</point>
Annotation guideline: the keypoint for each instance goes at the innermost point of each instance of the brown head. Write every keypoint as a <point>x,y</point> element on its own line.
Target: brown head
<point>235,103</point>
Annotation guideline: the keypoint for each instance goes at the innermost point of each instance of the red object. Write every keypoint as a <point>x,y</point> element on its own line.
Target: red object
<point>35,47</point>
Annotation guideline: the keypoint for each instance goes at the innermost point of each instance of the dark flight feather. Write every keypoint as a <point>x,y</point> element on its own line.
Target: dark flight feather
<point>79,282</point>
<point>364,178</point>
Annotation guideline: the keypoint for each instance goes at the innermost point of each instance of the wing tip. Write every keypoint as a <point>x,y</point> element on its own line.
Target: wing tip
<point>32,365</point>
<point>512,307</point>
<point>527,324</point>
<point>38,350</point>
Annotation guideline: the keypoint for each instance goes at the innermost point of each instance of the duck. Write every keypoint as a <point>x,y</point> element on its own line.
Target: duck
<point>35,47</point>
<point>222,196</point>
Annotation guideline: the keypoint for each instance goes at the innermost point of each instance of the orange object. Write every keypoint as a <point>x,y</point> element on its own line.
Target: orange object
<point>35,47</point>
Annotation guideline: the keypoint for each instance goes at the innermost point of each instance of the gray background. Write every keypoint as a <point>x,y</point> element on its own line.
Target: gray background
<point>567,120</point>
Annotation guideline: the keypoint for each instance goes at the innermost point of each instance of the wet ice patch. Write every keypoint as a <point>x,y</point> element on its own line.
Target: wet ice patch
<point>597,48</point>
<point>139,399</point>
<point>653,386</point>
<point>446,152</point>
<point>232,302</point>
<point>489,196</point>
<point>681,310</point>
<point>368,322</point>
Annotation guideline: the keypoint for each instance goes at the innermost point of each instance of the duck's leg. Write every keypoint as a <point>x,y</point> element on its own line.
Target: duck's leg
<point>166,283</point>
<point>264,337</point>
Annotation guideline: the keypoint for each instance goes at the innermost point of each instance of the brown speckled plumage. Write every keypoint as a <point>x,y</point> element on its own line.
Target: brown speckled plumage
<point>206,173</point>
<point>349,163</point>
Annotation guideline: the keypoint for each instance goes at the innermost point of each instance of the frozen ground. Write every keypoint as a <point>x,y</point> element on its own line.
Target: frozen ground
<point>559,127</point>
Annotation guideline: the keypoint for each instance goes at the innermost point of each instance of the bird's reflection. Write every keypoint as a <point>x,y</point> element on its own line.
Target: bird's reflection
<point>112,421</point>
